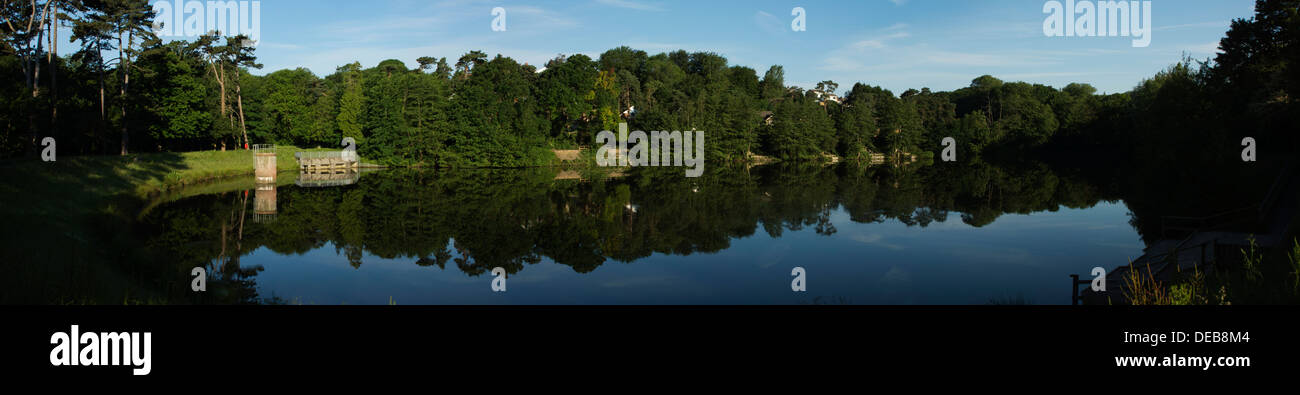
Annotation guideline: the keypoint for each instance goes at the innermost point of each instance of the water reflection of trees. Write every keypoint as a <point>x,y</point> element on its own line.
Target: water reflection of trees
<point>477,220</point>
<point>142,252</point>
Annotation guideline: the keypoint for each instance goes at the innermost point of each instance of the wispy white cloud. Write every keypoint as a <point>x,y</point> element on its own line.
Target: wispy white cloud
<point>444,21</point>
<point>942,48</point>
<point>1215,24</point>
<point>1048,75</point>
<point>1195,50</point>
<point>1206,48</point>
<point>633,5</point>
<point>979,59</point>
<point>879,42</point>
<point>769,23</point>
<point>409,35</point>
<point>655,47</point>
<point>881,52</point>
<point>279,46</point>
<point>539,17</point>
<point>326,61</point>
<point>895,57</point>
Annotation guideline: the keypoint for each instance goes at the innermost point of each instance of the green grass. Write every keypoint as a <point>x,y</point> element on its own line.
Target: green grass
<point>141,175</point>
<point>1248,275</point>
<point>1255,277</point>
<point>66,191</point>
<point>63,209</point>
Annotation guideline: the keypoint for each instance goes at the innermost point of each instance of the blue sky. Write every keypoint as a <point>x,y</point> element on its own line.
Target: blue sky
<point>898,44</point>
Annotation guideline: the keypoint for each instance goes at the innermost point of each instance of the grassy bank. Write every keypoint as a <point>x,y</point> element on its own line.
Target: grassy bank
<point>70,186</point>
<point>140,174</point>
<point>65,209</point>
<point>69,190</point>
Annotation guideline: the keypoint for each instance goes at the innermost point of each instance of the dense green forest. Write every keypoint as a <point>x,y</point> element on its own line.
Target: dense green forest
<point>123,90</point>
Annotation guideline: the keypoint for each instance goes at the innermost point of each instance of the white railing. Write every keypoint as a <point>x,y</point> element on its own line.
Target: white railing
<point>327,155</point>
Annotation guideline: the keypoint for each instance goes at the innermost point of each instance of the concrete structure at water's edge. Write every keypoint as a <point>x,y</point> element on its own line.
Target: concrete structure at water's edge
<point>265,170</point>
<point>327,161</point>
<point>264,166</point>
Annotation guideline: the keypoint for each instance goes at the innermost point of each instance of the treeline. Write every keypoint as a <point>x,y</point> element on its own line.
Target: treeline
<point>495,111</point>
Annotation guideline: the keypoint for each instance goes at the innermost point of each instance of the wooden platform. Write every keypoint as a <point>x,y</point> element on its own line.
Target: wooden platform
<point>1204,247</point>
<point>326,161</point>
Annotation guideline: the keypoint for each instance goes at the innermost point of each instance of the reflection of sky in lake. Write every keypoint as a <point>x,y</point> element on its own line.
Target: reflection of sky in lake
<point>1017,256</point>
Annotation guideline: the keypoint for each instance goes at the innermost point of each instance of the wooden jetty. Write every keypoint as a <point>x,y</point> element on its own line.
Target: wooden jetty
<point>327,161</point>
<point>1202,243</point>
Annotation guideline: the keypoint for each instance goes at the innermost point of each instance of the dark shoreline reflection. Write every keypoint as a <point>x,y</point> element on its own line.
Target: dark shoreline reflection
<point>474,220</point>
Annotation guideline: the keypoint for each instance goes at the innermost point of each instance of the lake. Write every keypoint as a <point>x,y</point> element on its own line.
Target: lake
<point>970,234</point>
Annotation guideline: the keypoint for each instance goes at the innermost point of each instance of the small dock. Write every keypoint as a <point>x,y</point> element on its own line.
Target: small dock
<point>327,161</point>
<point>1202,243</point>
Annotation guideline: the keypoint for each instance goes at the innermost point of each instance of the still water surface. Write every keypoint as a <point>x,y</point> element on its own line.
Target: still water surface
<point>930,235</point>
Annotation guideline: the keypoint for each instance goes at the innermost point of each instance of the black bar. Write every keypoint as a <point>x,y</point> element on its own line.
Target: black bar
<point>360,342</point>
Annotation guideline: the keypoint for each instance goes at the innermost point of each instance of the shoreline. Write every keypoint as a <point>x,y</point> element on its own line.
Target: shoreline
<point>150,175</point>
